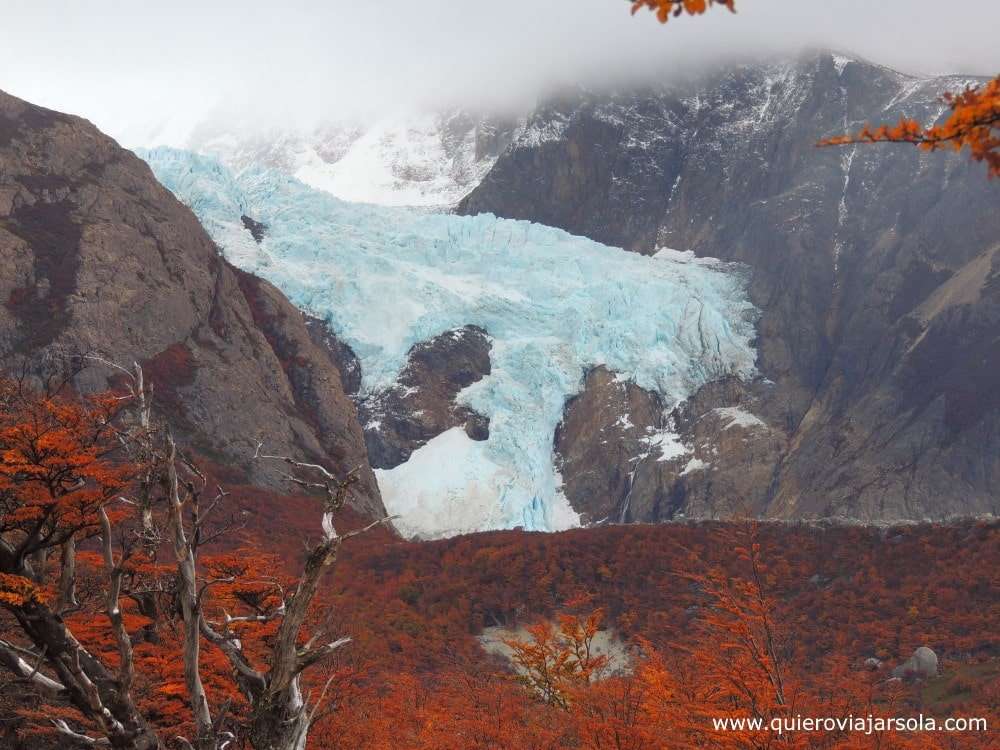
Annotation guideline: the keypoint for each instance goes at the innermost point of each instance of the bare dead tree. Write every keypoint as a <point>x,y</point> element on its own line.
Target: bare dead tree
<point>74,674</point>
<point>172,516</point>
<point>280,716</point>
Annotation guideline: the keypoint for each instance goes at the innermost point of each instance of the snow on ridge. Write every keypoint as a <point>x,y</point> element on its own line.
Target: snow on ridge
<point>666,443</point>
<point>840,62</point>
<point>555,305</point>
<point>397,163</point>
<point>411,159</point>
<point>539,130</point>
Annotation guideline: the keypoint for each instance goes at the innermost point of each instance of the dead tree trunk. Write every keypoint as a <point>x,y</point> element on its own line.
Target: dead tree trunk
<point>280,715</point>
<point>191,609</point>
<point>67,577</point>
<point>80,678</point>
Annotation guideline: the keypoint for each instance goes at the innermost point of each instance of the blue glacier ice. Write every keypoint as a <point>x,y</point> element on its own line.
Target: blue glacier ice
<point>553,303</point>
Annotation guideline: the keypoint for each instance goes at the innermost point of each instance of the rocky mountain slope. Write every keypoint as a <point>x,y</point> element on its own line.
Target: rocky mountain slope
<point>875,268</point>
<point>98,256</point>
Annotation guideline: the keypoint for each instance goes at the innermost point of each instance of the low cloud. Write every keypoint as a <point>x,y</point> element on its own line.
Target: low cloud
<point>126,66</point>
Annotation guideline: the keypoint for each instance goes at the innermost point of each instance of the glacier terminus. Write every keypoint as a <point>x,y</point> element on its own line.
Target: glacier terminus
<point>553,304</point>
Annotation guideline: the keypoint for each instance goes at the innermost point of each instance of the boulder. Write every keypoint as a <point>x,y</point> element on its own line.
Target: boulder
<point>922,664</point>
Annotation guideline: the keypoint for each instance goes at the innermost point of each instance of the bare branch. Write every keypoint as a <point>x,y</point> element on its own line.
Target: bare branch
<point>369,527</point>
<point>190,606</point>
<point>309,657</point>
<point>67,578</point>
<point>12,661</point>
<point>319,701</point>
<point>113,365</point>
<point>126,668</point>
<point>65,730</point>
<point>299,464</point>
<point>233,650</point>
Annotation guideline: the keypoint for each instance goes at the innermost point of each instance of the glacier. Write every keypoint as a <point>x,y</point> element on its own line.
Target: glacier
<point>554,304</point>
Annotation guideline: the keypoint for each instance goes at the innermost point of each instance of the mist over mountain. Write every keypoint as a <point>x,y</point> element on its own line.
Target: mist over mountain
<point>871,356</point>
<point>722,163</point>
<point>148,75</point>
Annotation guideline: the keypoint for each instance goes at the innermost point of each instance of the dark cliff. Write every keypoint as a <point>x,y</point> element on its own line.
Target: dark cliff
<point>98,256</point>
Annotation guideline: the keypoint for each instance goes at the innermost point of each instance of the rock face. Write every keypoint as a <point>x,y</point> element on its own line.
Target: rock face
<point>605,433</point>
<point>624,458</point>
<point>98,256</point>
<point>876,269</point>
<point>420,405</point>
<point>730,445</point>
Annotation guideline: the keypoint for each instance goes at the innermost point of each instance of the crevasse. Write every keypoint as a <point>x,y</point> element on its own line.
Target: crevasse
<point>554,304</point>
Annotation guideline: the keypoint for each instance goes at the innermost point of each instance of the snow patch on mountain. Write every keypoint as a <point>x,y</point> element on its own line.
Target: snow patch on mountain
<point>555,305</point>
<point>413,159</point>
<point>737,417</point>
<point>695,464</point>
<point>840,62</point>
<point>402,163</point>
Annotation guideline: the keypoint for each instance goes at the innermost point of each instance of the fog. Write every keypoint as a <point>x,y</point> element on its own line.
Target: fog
<point>128,65</point>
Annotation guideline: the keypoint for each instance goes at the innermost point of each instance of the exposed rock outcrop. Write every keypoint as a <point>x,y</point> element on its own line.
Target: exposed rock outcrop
<point>624,458</point>
<point>98,256</point>
<point>421,404</point>
<point>876,270</point>
<point>730,445</point>
<point>257,230</point>
<point>922,664</point>
<point>606,430</point>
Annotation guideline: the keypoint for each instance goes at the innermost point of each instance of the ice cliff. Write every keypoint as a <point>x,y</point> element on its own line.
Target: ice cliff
<point>554,304</point>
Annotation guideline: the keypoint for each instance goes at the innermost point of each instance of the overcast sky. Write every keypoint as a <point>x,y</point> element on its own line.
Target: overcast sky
<point>131,61</point>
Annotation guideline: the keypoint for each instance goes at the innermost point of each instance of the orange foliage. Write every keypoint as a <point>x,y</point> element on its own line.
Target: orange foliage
<point>416,678</point>
<point>700,602</point>
<point>751,621</point>
<point>664,9</point>
<point>55,474</point>
<point>555,659</point>
<point>974,124</point>
<point>65,475</point>
<point>16,591</point>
